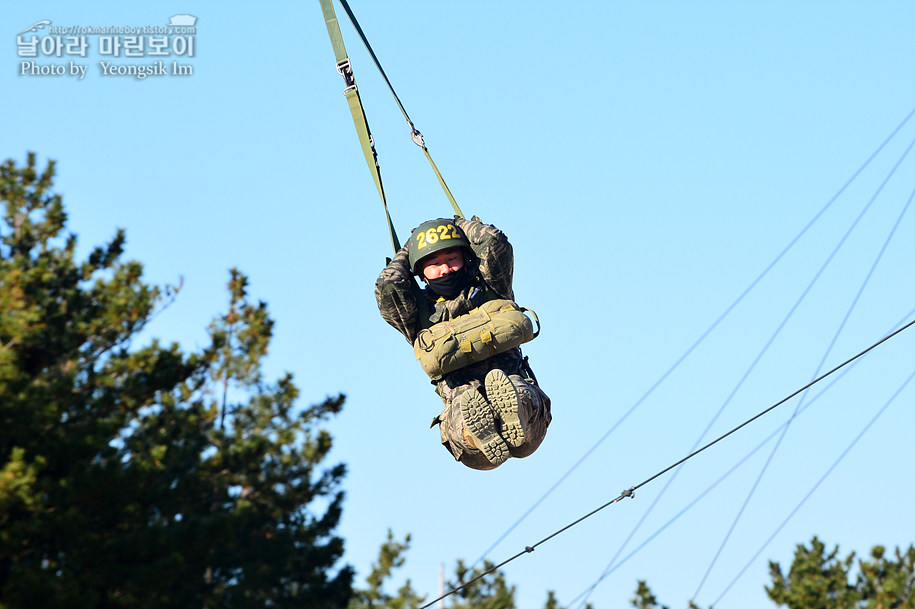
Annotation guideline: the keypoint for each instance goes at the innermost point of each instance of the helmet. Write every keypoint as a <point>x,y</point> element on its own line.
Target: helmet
<point>434,236</point>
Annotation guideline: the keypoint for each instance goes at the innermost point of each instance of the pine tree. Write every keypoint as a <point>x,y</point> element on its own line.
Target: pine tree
<point>644,598</point>
<point>147,476</point>
<point>816,579</point>
<point>489,592</point>
<point>390,557</point>
<point>823,579</point>
<point>887,583</point>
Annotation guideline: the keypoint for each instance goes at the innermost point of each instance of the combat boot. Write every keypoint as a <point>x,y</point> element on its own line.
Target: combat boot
<point>502,394</point>
<point>480,426</point>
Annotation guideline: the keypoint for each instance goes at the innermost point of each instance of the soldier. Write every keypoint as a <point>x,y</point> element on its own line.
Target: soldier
<point>494,408</point>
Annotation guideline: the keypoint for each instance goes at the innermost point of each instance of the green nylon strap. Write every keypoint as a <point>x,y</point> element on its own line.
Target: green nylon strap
<point>355,105</point>
<point>441,181</point>
<point>333,30</point>
<point>415,135</point>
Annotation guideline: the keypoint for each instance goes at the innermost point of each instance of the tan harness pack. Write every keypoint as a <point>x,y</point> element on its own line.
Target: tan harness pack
<point>492,328</point>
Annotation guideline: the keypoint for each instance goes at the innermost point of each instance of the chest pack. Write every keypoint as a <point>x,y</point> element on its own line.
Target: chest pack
<point>492,328</point>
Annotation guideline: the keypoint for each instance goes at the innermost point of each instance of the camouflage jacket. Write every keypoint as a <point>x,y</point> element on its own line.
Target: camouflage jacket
<point>409,308</point>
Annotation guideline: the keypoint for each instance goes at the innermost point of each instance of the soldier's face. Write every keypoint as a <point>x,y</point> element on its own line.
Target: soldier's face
<point>443,263</point>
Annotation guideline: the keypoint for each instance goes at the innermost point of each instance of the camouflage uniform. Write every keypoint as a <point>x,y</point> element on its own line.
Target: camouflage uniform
<point>410,309</point>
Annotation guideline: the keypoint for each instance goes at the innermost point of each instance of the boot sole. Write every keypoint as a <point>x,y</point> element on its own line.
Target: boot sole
<point>504,399</point>
<point>481,424</point>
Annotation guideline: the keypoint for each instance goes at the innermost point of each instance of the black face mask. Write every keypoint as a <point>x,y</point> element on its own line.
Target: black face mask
<point>450,285</point>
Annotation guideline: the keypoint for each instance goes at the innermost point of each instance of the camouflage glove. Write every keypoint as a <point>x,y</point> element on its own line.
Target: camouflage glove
<point>394,293</point>
<point>494,252</point>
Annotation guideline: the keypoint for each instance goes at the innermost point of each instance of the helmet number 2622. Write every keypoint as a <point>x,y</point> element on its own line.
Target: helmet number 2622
<point>434,234</point>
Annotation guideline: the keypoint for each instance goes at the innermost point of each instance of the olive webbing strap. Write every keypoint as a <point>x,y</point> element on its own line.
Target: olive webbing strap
<point>415,135</point>
<point>355,105</point>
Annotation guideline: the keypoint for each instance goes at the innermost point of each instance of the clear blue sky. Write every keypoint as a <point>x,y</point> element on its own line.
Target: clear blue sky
<point>648,161</point>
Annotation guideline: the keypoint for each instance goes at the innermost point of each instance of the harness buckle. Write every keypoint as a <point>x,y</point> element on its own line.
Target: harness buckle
<point>417,138</point>
<point>421,340</point>
<point>345,69</point>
